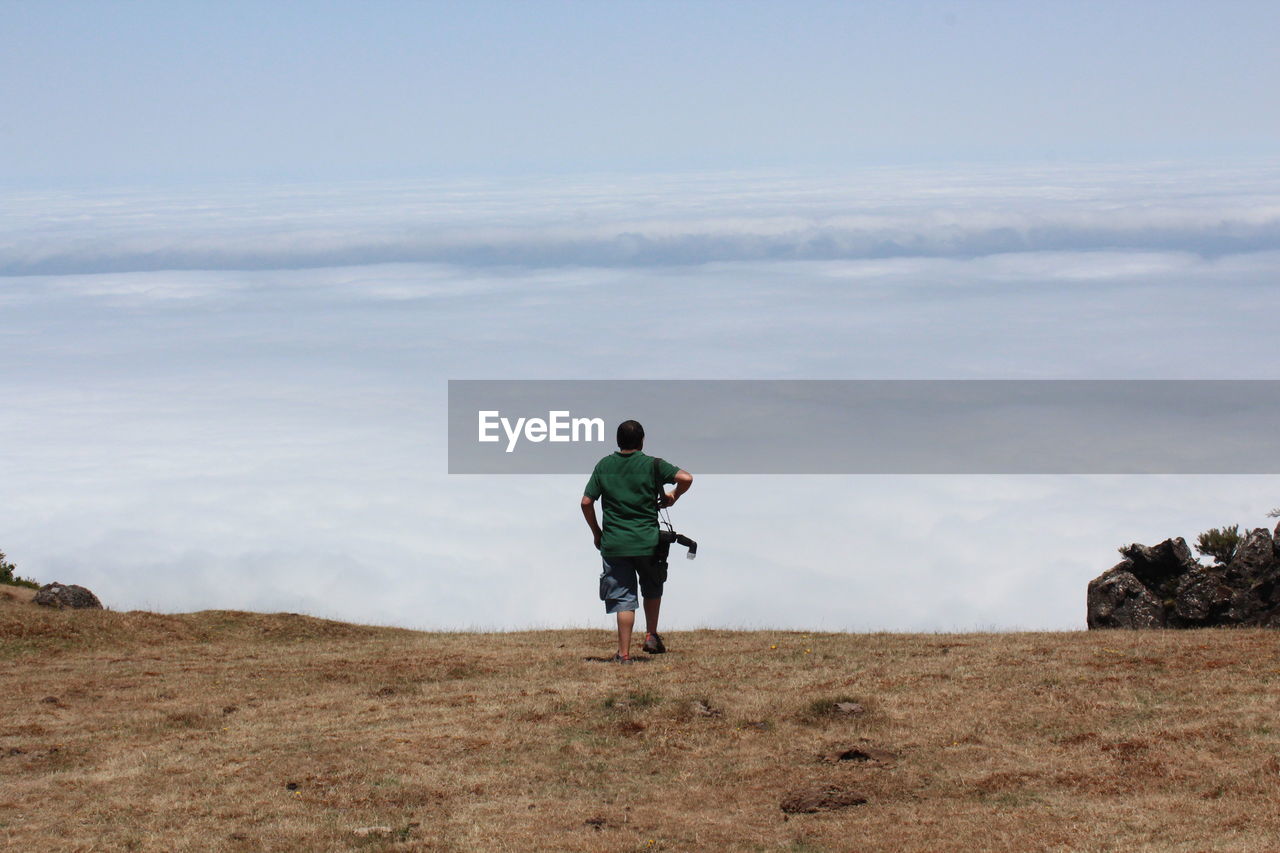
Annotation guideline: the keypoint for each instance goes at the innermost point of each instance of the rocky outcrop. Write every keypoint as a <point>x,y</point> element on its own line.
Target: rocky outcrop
<point>66,595</point>
<point>1162,586</point>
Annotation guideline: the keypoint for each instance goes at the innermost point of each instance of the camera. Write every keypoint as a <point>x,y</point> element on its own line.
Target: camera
<point>668,537</point>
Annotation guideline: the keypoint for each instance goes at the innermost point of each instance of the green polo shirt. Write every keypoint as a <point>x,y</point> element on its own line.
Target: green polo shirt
<point>627,484</point>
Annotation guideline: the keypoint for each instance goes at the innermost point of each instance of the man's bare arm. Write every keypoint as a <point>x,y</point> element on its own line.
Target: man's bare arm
<point>589,513</point>
<point>683,481</point>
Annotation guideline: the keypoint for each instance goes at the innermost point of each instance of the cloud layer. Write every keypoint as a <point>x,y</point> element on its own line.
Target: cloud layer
<point>651,221</point>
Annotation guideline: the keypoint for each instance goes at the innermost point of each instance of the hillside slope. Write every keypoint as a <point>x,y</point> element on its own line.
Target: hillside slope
<point>239,731</point>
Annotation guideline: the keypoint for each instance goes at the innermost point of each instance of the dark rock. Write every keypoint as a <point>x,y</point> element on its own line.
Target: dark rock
<point>1117,599</point>
<point>67,595</point>
<point>1201,599</point>
<point>1161,586</point>
<point>1255,573</point>
<point>1159,566</point>
<point>1256,554</point>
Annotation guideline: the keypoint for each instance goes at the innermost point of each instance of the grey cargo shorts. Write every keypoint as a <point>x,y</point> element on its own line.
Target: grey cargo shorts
<point>621,578</point>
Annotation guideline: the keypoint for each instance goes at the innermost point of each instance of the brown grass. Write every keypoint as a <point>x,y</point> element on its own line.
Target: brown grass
<point>9,592</point>
<point>238,731</point>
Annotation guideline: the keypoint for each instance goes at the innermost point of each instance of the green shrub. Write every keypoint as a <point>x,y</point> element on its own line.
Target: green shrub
<point>7,575</point>
<point>1220,543</point>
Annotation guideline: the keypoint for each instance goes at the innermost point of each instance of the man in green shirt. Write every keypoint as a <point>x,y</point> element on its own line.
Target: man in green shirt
<point>630,483</point>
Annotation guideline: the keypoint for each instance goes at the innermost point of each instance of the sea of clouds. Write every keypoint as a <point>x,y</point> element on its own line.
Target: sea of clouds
<point>629,221</point>
<point>235,396</point>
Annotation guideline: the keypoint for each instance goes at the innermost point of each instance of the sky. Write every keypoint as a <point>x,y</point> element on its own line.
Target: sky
<point>178,92</point>
<point>243,247</point>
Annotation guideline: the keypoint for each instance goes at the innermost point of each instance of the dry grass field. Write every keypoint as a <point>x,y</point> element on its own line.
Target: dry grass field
<point>239,731</point>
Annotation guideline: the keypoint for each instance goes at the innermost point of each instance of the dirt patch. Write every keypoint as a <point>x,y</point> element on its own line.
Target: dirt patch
<point>820,799</point>
<point>636,700</point>
<point>196,718</point>
<point>869,756</point>
<point>994,783</point>
<point>834,708</point>
<point>1077,739</point>
<point>1125,750</point>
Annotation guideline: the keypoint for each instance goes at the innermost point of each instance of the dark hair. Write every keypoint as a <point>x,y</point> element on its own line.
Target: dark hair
<point>630,435</point>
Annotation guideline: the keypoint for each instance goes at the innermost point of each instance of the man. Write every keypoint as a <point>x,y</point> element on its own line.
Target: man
<point>630,486</point>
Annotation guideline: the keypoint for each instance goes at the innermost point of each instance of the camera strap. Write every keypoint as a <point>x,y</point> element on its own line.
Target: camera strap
<point>658,493</point>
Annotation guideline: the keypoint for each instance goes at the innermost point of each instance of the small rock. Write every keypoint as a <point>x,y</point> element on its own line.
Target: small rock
<point>810,800</point>
<point>66,595</point>
<point>850,708</point>
<point>374,831</point>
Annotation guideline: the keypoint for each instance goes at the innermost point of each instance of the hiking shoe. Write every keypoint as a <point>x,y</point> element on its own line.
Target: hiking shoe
<point>653,644</point>
<point>621,659</point>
